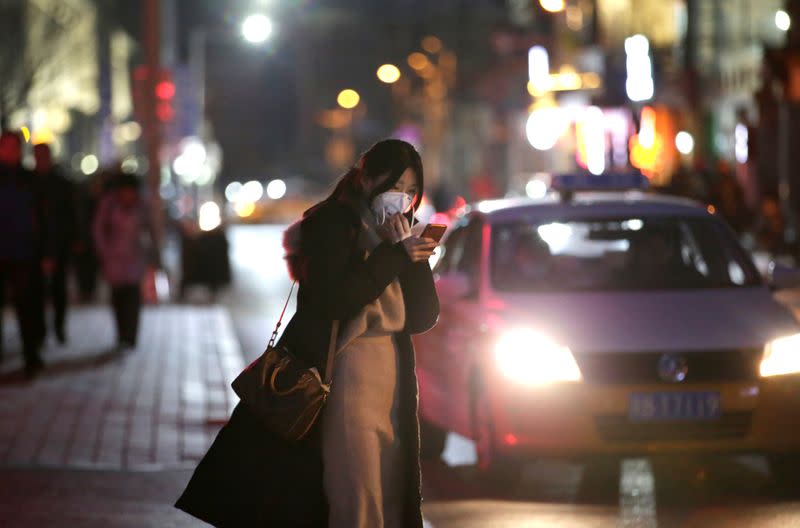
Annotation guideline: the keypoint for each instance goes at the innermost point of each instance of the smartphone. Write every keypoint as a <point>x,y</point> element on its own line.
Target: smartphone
<point>434,232</point>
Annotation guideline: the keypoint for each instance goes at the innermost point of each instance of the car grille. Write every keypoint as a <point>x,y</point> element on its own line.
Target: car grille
<point>620,429</point>
<point>633,367</point>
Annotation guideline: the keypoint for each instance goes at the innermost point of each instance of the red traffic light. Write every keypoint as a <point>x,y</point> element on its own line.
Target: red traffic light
<point>165,90</point>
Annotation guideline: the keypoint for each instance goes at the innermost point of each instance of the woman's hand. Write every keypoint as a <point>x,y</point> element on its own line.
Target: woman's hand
<point>419,249</point>
<point>395,229</point>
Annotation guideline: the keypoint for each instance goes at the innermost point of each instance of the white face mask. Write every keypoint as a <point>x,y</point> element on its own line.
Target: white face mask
<point>390,203</point>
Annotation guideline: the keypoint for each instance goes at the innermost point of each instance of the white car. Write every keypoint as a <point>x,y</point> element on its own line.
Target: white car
<point>617,323</point>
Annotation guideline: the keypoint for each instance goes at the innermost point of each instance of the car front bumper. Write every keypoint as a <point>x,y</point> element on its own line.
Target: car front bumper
<point>582,419</point>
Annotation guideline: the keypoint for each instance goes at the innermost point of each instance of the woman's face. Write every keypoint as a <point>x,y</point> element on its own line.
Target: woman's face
<point>407,183</point>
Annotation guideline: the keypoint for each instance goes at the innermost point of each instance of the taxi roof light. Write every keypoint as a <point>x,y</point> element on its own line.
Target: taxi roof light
<point>568,184</point>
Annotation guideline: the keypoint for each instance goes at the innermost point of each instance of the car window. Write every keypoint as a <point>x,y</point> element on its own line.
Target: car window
<point>469,261</point>
<point>653,253</point>
<point>452,250</point>
<point>461,249</point>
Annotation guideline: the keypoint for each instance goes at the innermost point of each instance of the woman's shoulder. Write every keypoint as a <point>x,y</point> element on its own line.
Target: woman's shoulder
<point>330,216</point>
<point>326,228</point>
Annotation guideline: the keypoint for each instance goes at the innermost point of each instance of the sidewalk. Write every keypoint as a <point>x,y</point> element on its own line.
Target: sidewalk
<point>155,408</point>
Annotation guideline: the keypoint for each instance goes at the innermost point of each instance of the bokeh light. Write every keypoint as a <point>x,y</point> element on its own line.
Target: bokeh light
<point>251,191</point>
<point>684,142</point>
<point>256,28</point>
<point>545,126</point>
<point>389,73</point>
<point>348,99</point>
<point>432,44</point>
<point>418,60</point>
<point>536,188</point>
<point>130,165</point>
<point>232,191</point>
<point>209,217</point>
<point>276,189</point>
<point>244,209</point>
<point>89,164</point>
<point>553,6</point>
<point>782,20</point>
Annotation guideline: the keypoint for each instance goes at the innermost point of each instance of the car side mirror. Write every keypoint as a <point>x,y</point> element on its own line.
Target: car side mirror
<point>455,285</point>
<point>782,277</point>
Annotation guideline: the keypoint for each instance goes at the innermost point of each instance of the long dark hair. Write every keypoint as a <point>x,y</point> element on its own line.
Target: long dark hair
<point>390,156</point>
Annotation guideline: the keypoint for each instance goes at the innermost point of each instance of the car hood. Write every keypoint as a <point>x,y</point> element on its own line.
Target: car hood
<point>650,321</point>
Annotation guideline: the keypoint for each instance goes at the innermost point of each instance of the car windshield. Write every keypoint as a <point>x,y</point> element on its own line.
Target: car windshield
<point>656,253</point>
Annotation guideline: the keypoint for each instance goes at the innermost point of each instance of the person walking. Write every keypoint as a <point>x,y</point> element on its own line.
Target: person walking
<point>59,208</point>
<point>87,197</point>
<point>357,264</point>
<point>22,230</point>
<point>123,237</point>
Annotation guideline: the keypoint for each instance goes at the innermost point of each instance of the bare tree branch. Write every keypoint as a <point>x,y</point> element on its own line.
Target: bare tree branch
<point>21,66</point>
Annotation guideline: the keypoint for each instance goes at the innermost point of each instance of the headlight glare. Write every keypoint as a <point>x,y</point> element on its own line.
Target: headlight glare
<point>781,356</point>
<point>530,358</point>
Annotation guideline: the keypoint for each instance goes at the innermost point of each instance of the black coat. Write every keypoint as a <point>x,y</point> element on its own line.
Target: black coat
<point>249,477</point>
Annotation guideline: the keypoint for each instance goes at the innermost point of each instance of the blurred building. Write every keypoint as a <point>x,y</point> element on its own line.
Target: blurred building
<point>661,85</point>
<point>67,79</point>
<point>664,86</point>
<point>778,130</point>
<point>276,107</point>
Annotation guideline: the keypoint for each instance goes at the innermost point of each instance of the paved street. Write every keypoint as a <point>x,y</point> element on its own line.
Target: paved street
<point>102,440</point>
<point>55,498</point>
<point>155,407</point>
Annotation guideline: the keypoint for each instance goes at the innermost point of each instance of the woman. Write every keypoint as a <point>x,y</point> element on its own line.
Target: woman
<point>356,262</point>
<point>123,238</point>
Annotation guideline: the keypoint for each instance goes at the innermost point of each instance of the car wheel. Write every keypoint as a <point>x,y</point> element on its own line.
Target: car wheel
<point>432,440</point>
<point>496,468</point>
<point>785,469</point>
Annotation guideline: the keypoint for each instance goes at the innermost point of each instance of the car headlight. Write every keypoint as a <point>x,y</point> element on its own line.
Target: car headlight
<point>781,356</point>
<point>531,358</point>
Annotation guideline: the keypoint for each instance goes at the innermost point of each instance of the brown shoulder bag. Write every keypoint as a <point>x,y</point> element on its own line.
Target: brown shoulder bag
<point>287,395</point>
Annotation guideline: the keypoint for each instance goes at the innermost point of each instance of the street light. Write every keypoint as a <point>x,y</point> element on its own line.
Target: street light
<point>348,99</point>
<point>89,164</point>
<point>418,60</point>
<point>432,44</point>
<point>389,73</point>
<point>553,6</point>
<point>256,28</point>
<point>639,84</point>
<point>276,189</point>
<point>782,20</point>
<point>684,142</point>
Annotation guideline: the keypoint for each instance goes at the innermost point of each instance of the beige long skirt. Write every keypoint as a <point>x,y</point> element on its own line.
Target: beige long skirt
<point>361,447</point>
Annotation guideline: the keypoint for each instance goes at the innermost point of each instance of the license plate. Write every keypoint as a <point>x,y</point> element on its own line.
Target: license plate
<point>666,406</point>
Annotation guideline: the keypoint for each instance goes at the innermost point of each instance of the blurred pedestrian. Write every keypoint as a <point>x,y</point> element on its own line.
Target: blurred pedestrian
<point>482,185</point>
<point>769,228</point>
<point>728,197</point>
<point>59,208</point>
<point>686,183</point>
<point>356,262</point>
<point>88,196</point>
<point>21,233</point>
<point>124,239</point>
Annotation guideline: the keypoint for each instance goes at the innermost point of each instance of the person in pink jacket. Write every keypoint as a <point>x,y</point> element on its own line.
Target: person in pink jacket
<point>125,244</point>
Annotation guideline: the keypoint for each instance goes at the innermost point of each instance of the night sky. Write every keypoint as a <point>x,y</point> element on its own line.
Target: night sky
<point>252,94</point>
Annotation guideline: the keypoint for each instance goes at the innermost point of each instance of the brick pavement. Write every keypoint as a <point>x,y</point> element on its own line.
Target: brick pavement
<point>76,498</point>
<point>157,407</point>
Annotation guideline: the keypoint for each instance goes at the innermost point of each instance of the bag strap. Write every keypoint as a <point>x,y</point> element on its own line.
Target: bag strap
<point>331,344</point>
<point>280,319</point>
<point>331,353</point>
